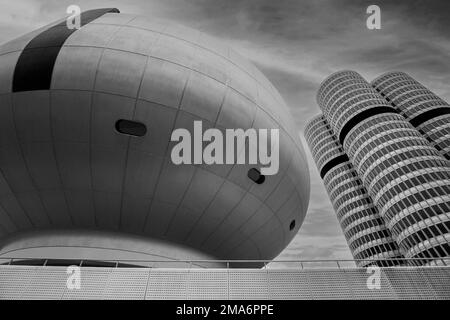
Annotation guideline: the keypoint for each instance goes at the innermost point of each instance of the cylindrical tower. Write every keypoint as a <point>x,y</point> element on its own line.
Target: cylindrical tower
<point>363,227</point>
<point>408,180</point>
<point>421,107</point>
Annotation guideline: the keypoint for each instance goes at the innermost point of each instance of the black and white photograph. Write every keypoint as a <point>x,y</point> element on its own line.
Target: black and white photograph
<point>229,156</point>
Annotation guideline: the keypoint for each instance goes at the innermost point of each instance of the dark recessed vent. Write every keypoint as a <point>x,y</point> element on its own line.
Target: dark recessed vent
<point>256,176</point>
<point>292,225</point>
<point>132,128</point>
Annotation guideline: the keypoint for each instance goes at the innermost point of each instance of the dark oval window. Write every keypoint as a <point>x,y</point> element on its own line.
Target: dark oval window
<point>292,225</point>
<point>132,128</point>
<point>256,176</point>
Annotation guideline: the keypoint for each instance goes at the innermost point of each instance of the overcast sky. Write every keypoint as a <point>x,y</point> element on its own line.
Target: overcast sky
<point>296,44</point>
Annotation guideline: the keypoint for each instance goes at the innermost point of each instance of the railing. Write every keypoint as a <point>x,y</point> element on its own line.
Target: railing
<point>265,264</point>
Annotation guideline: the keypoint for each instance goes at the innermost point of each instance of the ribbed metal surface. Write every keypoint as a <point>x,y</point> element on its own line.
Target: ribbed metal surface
<point>28,282</point>
<point>363,227</point>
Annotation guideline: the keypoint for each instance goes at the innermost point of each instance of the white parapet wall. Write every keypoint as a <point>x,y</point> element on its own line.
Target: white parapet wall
<point>57,282</point>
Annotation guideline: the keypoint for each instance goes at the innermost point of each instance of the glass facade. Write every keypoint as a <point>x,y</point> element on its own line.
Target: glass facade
<point>363,227</point>
<point>421,107</point>
<point>405,175</point>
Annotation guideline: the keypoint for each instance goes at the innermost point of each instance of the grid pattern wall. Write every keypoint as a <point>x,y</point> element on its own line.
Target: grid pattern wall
<point>363,227</point>
<point>408,179</point>
<point>27,282</point>
<point>424,109</point>
<point>322,142</point>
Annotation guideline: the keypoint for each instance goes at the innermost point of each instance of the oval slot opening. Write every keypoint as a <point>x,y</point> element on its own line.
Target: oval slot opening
<point>292,225</point>
<point>131,128</point>
<point>256,176</point>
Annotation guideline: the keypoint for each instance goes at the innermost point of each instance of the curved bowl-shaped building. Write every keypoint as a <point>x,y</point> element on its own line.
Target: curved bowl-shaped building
<point>86,117</point>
